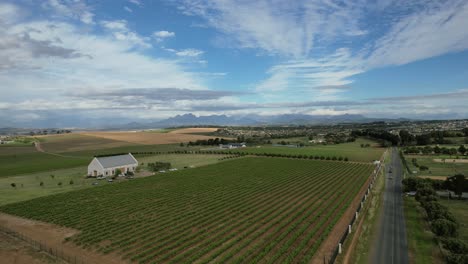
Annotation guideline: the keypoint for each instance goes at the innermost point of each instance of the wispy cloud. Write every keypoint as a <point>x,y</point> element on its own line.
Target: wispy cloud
<point>189,53</point>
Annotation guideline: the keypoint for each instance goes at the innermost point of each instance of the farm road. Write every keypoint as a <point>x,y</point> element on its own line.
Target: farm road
<point>391,246</point>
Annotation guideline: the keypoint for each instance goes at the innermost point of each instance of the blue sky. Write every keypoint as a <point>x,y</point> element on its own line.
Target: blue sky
<point>136,60</point>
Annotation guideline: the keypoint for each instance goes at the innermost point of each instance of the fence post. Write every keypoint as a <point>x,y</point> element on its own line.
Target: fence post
<point>339,248</point>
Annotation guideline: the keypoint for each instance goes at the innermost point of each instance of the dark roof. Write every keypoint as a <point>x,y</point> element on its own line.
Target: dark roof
<point>115,161</point>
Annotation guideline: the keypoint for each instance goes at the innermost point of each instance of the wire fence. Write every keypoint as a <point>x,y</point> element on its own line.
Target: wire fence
<point>44,247</point>
<point>338,248</point>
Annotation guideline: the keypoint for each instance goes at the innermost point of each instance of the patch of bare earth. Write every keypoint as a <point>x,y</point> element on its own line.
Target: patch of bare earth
<point>451,160</point>
<point>193,130</point>
<point>329,245</point>
<point>147,138</point>
<point>443,178</point>
<point>53,237</point>
<point>14,250</point>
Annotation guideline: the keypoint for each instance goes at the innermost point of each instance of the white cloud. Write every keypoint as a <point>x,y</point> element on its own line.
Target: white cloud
<point>73,9</point>
<point>189,53</point>
<point>136,2</point>
<point>162,35</point>
<point>120,31</point>
<point>128,9</point>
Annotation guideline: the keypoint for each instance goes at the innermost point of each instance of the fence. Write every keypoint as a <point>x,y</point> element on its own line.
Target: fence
<point>42,246</point>
<point>338,248</point>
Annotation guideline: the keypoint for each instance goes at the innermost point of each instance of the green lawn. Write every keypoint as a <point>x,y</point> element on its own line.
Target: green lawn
<point>28,185</point>
<point>352,150</point>
<point>460,210</point>
<point>421,242</point>
<point>436,168</point>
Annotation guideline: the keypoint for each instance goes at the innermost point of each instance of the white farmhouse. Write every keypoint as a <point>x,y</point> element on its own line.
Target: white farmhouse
<point>106,166</point>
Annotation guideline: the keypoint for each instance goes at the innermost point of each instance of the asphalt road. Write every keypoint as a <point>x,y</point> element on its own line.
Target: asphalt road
<point>391,246</point>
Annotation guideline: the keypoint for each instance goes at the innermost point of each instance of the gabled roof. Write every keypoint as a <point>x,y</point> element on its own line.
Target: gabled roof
<point>115,161</point>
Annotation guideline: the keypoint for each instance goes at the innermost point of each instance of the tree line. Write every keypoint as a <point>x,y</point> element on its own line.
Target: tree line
<point>443,223</point>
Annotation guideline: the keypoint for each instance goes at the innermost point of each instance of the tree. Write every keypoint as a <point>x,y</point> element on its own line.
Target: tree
<point>462,149</point>
<point>455,245</point>
<point>13,185</point>
<point>71,182</point>
<point>117,172</point>
<point>456,184</point>
<point>437,149</point>
<point>465,131</point>
<point>52,176</point>
<point>405,137</point>
<point>41,184</point>
<point>423,139</point>
<point>444,228</point>
<point>181,144</point>
<point>59,184</point>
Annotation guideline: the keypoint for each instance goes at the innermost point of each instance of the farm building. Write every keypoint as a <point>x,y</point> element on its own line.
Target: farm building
<point>232,145</point>
<point>106,166</point>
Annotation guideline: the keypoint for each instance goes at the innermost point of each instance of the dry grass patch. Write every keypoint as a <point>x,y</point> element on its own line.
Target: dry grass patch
<point>147,138</point>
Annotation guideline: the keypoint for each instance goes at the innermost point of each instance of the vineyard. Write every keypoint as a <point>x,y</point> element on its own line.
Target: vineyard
<point>246,210</point>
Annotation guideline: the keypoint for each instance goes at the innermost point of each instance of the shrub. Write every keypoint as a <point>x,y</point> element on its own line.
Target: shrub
<point>41,184</point>
<point>59,184</point>
<point>71,182</point>
<point>444,228</point>
<point>455,245</point>
<point>457,259</point>
<point>13,185</point>
<point>423,168</point>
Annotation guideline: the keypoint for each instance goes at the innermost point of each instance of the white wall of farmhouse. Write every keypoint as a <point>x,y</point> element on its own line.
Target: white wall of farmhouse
<point>95,169</point>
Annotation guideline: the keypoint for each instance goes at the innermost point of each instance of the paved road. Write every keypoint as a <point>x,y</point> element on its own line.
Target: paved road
<point>391,246</point>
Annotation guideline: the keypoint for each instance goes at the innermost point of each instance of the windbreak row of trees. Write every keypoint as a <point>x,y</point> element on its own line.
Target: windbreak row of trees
<point>437,150</point>
<point>443,224</point>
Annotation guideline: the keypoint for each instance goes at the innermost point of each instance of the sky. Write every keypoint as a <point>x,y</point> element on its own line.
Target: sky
<point>65,62</point>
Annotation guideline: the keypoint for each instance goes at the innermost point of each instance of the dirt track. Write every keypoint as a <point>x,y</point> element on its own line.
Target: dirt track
<point>147,138</point>
<point>53,237</point>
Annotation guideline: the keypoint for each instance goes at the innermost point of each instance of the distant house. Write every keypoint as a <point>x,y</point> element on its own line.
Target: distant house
<point>106,166</point>
<point>232,145</point>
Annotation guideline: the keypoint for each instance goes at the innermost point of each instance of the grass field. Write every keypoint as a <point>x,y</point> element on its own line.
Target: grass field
<point>28,185</point>
<point>351,150</point>
<point>460,210</point>
<point>242,211</point>
<point>436,168</point>
<point>421,242</point>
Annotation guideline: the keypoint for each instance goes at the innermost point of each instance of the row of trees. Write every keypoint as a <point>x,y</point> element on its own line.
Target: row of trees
<point>437,150</point>
<point>434,137</point>
<point>443,224</point>
<point>157,166</point>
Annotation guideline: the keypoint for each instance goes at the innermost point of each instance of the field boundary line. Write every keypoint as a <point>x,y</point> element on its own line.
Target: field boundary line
<point>339,248</point>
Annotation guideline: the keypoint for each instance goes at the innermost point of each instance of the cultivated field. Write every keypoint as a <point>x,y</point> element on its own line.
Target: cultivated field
<point>246,210</point>
<point>147,138</point>
<point>352,151</point>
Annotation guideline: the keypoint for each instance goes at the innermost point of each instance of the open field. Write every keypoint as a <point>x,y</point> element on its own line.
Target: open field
<point>421,242</point>
<point>245,210</point>
<point>147,138</point>
<point>460,210</point>
<point>436,168</point>
<point>352,150</point>
<point>77,142</point>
